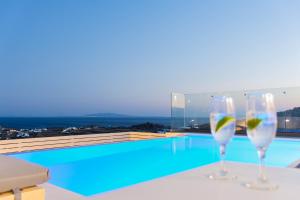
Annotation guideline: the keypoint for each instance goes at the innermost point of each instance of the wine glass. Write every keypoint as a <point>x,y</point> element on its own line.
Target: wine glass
<point>222,124</point>
<point>261,119</point>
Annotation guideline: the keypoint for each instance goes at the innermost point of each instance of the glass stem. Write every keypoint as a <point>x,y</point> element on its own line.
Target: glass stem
<point>262,176</point>
<point>222,159</point>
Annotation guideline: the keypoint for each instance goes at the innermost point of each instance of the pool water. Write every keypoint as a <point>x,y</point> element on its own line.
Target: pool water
<point>96,169</point>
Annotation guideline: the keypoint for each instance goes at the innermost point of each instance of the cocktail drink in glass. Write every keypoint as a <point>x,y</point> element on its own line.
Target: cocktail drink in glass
<point>222,124</point>
<point>261,119</point>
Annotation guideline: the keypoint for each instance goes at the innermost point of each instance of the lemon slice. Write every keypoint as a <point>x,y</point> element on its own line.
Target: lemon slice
<point>224,122</point>
<point>253,123</point>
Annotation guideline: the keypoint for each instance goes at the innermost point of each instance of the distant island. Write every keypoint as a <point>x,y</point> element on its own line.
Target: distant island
<point>108,115</point>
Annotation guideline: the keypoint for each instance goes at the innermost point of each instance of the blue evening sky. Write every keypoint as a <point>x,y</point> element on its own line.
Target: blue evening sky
<point>73,57</point>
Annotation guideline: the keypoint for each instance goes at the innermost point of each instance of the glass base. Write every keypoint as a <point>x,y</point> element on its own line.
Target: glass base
<point>221,176</point>
<point>261,185</point>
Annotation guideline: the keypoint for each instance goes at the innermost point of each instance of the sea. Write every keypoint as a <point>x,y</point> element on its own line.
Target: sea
<point>64,122</point>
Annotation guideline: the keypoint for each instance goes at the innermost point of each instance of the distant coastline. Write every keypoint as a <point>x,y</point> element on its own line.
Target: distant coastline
<point>30,127</point>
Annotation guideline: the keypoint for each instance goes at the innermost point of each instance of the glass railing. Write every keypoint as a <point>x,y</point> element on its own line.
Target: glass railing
<point>190,112</point>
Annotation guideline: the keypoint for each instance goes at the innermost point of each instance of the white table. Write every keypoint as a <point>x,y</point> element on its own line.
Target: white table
<point>193,185</point>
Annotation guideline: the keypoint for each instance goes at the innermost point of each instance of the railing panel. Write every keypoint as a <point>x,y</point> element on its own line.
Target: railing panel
<point>190,112</point>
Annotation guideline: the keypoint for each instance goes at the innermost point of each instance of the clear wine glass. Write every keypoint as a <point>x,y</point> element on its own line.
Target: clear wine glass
<point>261,119</point>
<point>222,124</point>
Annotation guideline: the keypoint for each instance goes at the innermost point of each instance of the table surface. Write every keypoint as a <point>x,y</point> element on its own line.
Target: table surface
<point>194,185</point>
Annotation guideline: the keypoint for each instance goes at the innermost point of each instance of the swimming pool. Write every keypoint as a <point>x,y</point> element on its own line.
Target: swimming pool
<point>96,169</point>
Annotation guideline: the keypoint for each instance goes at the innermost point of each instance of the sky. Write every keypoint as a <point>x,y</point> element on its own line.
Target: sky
<point>76,57</point>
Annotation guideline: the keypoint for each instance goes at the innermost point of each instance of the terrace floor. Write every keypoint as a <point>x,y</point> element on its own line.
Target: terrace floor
<point>193,184</point>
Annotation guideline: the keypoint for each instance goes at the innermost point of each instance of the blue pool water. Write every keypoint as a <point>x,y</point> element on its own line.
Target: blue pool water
<point>95,169</point>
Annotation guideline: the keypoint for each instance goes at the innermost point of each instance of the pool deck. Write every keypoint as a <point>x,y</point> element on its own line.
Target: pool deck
<point>194,185</point>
